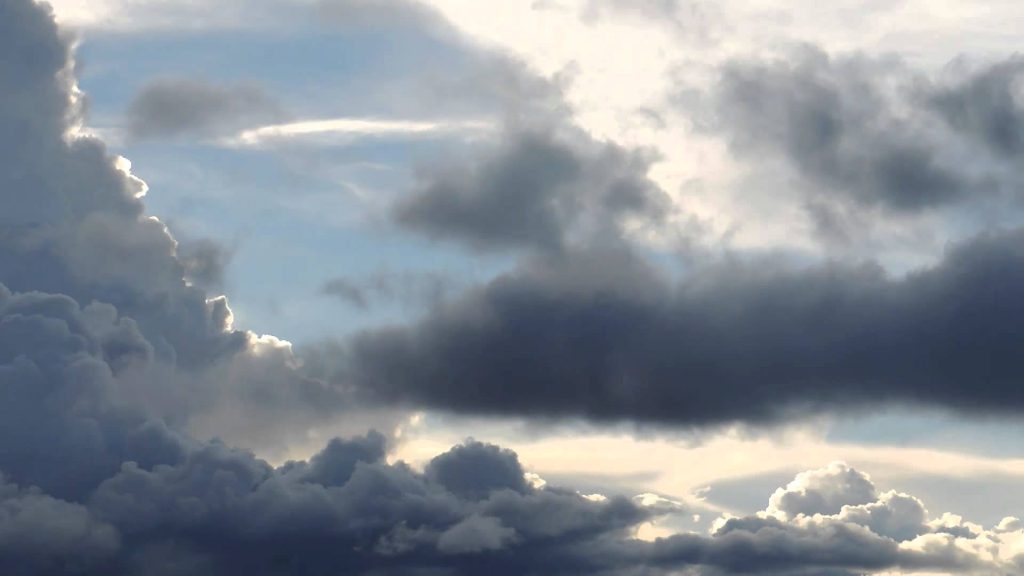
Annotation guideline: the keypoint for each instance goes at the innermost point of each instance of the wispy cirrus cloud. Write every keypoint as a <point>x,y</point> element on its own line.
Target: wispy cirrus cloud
<point>344,129</point>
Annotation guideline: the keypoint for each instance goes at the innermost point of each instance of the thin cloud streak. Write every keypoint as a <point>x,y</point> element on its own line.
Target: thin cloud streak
<point>352,128</point>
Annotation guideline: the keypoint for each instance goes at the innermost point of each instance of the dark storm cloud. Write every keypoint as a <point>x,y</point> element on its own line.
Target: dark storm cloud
<point>229,513</point>
<point>406,287</point>
<point>62,426</point>
<point>179,107</point>
<point>606,337</point>
<point>542,189</point>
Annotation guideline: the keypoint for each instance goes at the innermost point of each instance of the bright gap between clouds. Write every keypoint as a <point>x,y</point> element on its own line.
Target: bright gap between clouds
<point>683,467</point>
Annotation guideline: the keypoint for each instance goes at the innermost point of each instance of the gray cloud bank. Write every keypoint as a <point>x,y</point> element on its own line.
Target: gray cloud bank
<point>604,335</point>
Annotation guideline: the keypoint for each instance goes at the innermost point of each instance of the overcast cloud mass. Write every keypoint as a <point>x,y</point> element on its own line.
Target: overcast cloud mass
<point>491,255</point>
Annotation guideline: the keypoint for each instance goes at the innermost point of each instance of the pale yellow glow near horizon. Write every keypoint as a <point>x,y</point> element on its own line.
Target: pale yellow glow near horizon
<point>682,469</point>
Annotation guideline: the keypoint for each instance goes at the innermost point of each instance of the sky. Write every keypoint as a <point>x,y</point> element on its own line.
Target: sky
<point>524,287</point>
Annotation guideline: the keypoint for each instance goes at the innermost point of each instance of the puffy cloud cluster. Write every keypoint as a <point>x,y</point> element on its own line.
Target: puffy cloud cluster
<point>837,513</point>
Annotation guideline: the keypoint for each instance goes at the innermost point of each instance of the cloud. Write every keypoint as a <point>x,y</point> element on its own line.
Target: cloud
<point>205,262</point>
<point>376,14</point>
<point>410,288</point>
<point>474,535</point>
<point>604,335</point>
<point>843,125</point>
<point>474,471</point>
<point>985,103</point>
<point>131,16</point>
<point>688,19</point>
<point>177,107</point>
<point>540,188</point>
<point>350,128</point>
<point>42,535</point>
<point>873,140</point>
<point>824,491</point>
<point>74,227</point>
<point>237,514</point>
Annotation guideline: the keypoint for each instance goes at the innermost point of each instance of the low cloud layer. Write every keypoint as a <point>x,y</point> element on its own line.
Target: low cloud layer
<point>605,336</point>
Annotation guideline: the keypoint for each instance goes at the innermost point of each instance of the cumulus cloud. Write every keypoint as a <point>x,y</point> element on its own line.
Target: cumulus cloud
<point>824,491</point>
<point>74,227</point>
